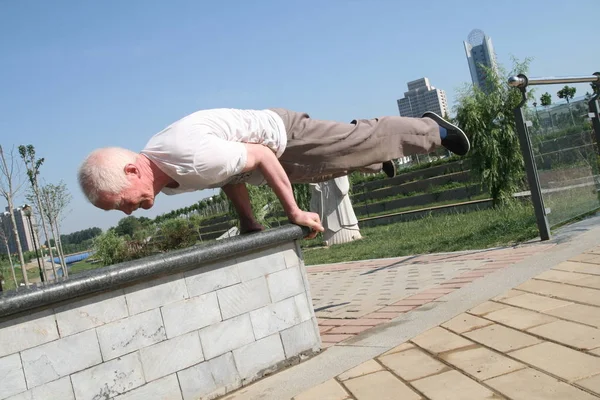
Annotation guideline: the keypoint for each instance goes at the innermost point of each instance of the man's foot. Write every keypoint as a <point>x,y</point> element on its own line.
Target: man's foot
<point>389,167</point>
<point>454,139</point>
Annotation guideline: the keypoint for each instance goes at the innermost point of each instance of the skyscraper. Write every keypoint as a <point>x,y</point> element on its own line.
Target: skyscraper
<point>23,231</point>
<point>421,97</point>
<point>479,51</point>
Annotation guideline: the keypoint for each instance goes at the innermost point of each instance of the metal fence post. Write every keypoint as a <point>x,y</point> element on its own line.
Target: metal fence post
<point>530,168</point>
<point>594,110</point>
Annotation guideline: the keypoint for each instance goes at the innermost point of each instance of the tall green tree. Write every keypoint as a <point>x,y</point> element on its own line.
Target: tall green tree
<point>486,114</point>
<point>546,100</point>
<point>567,93</point>
<point>33,165</point>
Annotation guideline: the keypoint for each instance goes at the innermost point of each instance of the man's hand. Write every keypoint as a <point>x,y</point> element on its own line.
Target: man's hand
<point>309,219</point>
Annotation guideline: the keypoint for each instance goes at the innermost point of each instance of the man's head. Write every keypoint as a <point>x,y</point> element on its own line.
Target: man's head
<point>117,179</point>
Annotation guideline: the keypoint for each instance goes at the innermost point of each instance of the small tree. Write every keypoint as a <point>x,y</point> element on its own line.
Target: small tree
<point>487,115</point>
<point>33,170</point>
<point>109,248</point>
<point>567,93</point>
<point>177,233</point>
<point>10,185</point>
<point>4,238</point>
<point>546,100</point>
<point>56,199</point>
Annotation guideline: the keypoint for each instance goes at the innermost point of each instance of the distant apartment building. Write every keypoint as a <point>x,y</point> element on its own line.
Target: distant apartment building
<point>479,51</point>
<point>422,97</point>
<point>22,229</point>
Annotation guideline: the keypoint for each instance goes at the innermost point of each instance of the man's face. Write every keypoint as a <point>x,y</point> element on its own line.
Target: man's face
<point>135,195</point>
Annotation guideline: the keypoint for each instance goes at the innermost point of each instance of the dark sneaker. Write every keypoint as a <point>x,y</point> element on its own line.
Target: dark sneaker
<point>389,167</point>
<point>456,141</point>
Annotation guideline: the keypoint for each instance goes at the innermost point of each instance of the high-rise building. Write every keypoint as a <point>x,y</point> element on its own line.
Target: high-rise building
<point>422,97</point>
<point>479,51</point>
<point>22,228</point>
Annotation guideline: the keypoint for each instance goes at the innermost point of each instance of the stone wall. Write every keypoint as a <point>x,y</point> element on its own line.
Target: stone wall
<point>192,333</point>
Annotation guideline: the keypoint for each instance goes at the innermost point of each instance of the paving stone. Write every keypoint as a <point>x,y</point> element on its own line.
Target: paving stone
<point>13,379</point>
<point>220,275</point>
<point>156,293</point>
<point>382,315</point>
<point>529,384</point>
<point>172,355</point>
<point>350,330</point>
<point>464,322</point>
<point>536,302</point>
<point>398,349</point>
<point>91,312</point>
<point>191,314</point>
<point>565,292</point>
<point>502,338</point>
<point>596,352</point>
<point>559,360</point>
<point>486,308</point>
<point>592,384</point>
<point>300,338</point>
<point>413,364</point>
<point>330,390</point>
<point>578,313</point>
<point>570,333</point>
<point>59,389</point>
<point>60,358</point>
<point>256,358</point>
<point>573,278</point>
<point>243,297</point>
<point>482,363</point>
<point>587,258</point>
<point>26,332</point>
<point>579,267</point>
<point>518,318</point>
<point>363,322</point>
<point>363,369</point>
<point>130,334</point>
<point>452,385</point>
<point>161,389</point>
<point>334,338</point>
<point>109,379</point>
<point>380,386</point>
<point>225,336</point>
<point>396,309</point>
<point>508,295</point>
<point>439,340</point>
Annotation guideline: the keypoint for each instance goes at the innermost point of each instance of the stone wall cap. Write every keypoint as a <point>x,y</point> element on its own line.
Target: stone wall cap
<point>114,276</point>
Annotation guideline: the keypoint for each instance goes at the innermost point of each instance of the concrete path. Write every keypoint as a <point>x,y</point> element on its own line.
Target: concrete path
<point>518,323</point>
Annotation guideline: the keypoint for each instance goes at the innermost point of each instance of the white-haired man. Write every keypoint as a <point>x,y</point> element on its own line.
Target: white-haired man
<point>228,148</point>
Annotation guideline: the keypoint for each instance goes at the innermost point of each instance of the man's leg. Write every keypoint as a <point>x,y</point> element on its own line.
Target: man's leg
<point>320,148</point>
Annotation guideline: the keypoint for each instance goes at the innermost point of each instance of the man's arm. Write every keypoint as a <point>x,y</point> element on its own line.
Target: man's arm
<point>266,161</point>
<point>238,193</point>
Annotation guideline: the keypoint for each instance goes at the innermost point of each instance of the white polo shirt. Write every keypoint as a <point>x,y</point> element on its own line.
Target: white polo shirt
<point>205,149</point>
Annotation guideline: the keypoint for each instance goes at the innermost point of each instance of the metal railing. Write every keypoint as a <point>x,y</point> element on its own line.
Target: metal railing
<point>521,82</point>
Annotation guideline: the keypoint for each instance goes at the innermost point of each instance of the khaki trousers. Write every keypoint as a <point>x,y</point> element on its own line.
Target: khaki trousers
<point>319,150</point>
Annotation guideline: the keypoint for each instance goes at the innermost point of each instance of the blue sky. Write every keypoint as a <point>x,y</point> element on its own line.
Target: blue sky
<point>77,75</point>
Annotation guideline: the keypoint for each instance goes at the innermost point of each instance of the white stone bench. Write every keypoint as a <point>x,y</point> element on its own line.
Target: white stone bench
<point>189,324</point>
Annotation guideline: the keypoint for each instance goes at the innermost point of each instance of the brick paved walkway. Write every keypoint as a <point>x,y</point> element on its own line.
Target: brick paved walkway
<point>540,340</point>
<point>350,298</point>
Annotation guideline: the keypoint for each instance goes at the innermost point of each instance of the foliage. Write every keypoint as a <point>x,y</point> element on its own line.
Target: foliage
<point>488,117</point>
<point>546,99</point>
<point>176,233</point>
<point>567,93</point>
<point>109,248</point>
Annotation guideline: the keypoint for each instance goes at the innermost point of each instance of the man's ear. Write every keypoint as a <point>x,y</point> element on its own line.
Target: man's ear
<point>131,169</point>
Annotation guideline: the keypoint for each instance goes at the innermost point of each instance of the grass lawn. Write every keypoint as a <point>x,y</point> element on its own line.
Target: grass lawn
<point>440,233</point>
<point>83,266</point>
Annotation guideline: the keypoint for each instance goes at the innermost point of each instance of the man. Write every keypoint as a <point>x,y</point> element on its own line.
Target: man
<point>228,148</point>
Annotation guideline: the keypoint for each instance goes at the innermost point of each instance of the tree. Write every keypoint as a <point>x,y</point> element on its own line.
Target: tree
<point>33,170</point>
<point>489,118</point>
<point>546,100</point>
<point>127,226</point>
<point>10,185</point>
<point>568,92</point>
<point>55,199</point>
<point>4,237</point>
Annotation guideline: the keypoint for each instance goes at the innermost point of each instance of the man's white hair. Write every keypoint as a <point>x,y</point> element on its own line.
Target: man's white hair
<point>103,171</point>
